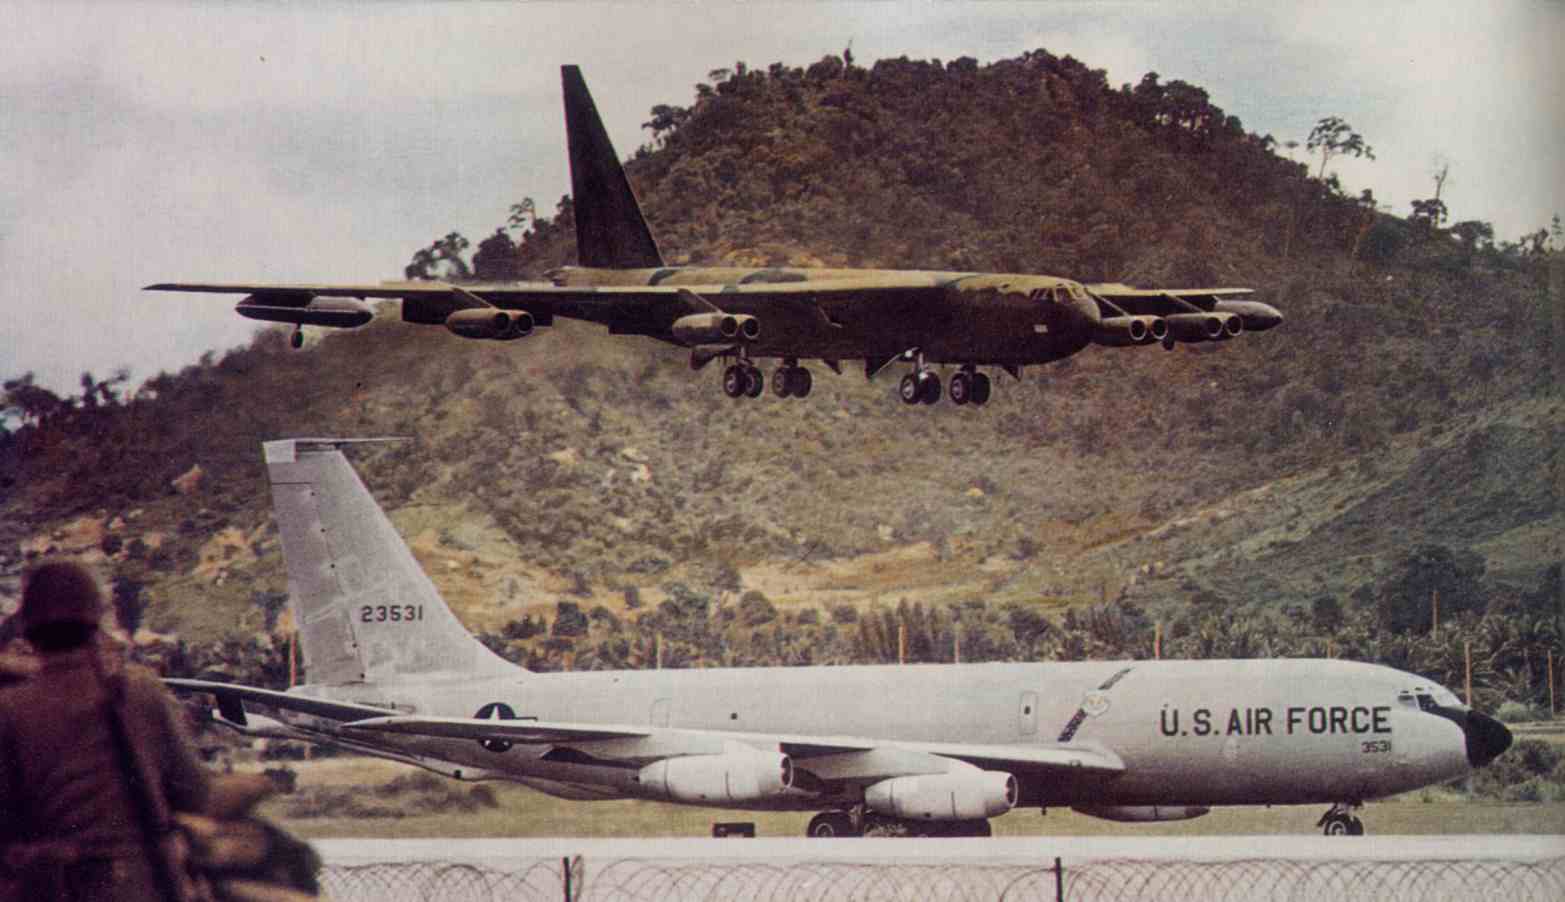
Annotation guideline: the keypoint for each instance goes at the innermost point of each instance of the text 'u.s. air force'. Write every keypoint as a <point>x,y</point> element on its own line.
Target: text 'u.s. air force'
<point>1317,720</point>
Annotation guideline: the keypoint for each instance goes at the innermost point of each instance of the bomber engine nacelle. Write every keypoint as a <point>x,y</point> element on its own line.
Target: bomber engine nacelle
<point>1204,326</point>
<point>960,796</point>
<point>1257,317</point>
<point>492,323</point>
<point>1120,331</point>
<point>741,774</point>
<point>1144,813</point>
<point>714,328</point>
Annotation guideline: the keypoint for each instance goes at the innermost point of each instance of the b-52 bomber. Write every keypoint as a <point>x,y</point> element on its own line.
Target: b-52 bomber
<point>928,750</point>
<point>928,318</point>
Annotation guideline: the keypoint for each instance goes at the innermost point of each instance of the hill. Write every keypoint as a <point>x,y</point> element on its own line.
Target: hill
<point>1404,414</point>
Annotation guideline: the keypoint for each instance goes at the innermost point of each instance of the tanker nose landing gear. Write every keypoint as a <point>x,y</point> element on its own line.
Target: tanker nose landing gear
<point>1338,821</point>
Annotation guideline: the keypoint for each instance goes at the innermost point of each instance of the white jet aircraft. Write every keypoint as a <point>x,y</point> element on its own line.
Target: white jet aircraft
<point>936,749</point>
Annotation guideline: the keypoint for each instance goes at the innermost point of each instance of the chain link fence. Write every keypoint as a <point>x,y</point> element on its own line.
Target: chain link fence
<point>652,880</point>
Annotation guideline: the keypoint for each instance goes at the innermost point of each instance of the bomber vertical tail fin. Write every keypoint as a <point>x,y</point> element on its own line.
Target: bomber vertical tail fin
<point>365,609</point>
<point>610,231</point>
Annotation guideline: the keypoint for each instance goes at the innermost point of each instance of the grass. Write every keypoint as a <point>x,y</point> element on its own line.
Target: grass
<point>524,813</point>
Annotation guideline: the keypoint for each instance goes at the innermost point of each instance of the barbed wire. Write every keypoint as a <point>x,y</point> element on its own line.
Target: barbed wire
<point>649,880</point>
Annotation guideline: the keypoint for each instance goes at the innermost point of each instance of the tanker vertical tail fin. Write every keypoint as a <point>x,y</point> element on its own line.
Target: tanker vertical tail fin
<point>610,230</point>
<point>365,609</point>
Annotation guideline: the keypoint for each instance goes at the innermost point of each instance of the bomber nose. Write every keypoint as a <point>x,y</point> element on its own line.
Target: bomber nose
<point>1487,738</point>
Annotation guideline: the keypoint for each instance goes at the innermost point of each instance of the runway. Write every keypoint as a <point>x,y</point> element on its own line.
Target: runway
<point>1000,850</point>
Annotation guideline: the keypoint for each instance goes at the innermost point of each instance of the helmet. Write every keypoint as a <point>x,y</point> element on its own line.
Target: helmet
<point>59,592</point>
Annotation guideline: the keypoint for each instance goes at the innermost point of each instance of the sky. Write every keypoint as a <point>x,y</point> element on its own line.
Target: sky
<point>147,142</point>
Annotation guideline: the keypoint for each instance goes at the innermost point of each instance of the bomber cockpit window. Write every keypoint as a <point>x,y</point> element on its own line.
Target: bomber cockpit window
<point>1406,700</point>
<point>1426,701</point>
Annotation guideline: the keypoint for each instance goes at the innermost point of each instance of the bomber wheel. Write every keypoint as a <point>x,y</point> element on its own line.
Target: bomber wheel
<point>802,382</point>
<point>830,825</point>
<point>929,387</point>
<point>1168,342</point>
<point>1340,825</point>
<point>981,388</point>
<point>734,381</point>
<point>296,340</point>
<point>909,389</point>
<point>754,382</point>
<point>961,388</point>
<point>782,382</point>
<point>1355,827</point>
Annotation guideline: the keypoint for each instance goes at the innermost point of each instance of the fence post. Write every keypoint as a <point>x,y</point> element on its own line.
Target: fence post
<point>565,868</point>
<point>1059,880</point>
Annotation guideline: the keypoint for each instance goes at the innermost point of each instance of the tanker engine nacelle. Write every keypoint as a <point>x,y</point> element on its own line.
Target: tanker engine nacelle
<point>741,774</point>
<point>1120,331</point>
<point>492,323</point>
<point>1142,813</point>
<point>716,328</point>
<point>961,796</point>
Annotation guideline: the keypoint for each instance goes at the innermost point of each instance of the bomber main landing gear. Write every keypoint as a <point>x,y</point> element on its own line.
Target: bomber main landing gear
<point>792,380</point>
<point>921,386</point>
<point>1338,821</point>
<point>743,379</point>
<point>969,386</point>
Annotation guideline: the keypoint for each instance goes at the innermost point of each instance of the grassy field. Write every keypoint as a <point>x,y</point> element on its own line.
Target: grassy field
<point>520,812</point>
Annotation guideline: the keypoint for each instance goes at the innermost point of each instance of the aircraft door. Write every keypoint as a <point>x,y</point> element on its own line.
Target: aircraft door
<point>1027,715</point>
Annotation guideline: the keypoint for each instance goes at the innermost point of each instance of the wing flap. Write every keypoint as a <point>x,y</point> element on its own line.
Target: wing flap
<point>229,695</point>
<point>526,732</point>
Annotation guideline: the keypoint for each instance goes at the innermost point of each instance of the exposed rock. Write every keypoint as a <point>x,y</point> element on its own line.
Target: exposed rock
<point>190,482</point>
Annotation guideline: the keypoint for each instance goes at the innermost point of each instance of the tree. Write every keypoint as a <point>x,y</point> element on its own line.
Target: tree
<point>1428,214</point>
<point>1473,234</point>
<point>32,403</point>
<point>1404,600</point>
<point>522,213</point>
<point>1333,137</point>
<point>569,620</point>
<point>495,260</point>
<point>448,251</point>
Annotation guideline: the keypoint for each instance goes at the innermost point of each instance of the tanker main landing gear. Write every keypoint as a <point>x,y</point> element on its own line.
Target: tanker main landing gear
<point>1338,821</point>
<point>838,824</point>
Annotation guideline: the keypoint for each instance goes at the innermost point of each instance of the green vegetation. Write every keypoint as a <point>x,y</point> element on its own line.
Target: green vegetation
<point>1320,489</point>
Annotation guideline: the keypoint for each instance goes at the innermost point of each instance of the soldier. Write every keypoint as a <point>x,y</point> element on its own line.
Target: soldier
<point>93,759</point>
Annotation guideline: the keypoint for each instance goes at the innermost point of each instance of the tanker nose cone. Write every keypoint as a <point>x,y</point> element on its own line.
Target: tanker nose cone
<point>1487,738</point>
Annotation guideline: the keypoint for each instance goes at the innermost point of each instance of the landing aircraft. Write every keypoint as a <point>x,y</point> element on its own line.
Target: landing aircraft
<point>934,749</point>
<point>969,320</point>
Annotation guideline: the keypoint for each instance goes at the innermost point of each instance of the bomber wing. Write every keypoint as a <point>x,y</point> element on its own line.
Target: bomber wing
<point>1191,313</point>
<point>627,309</point>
